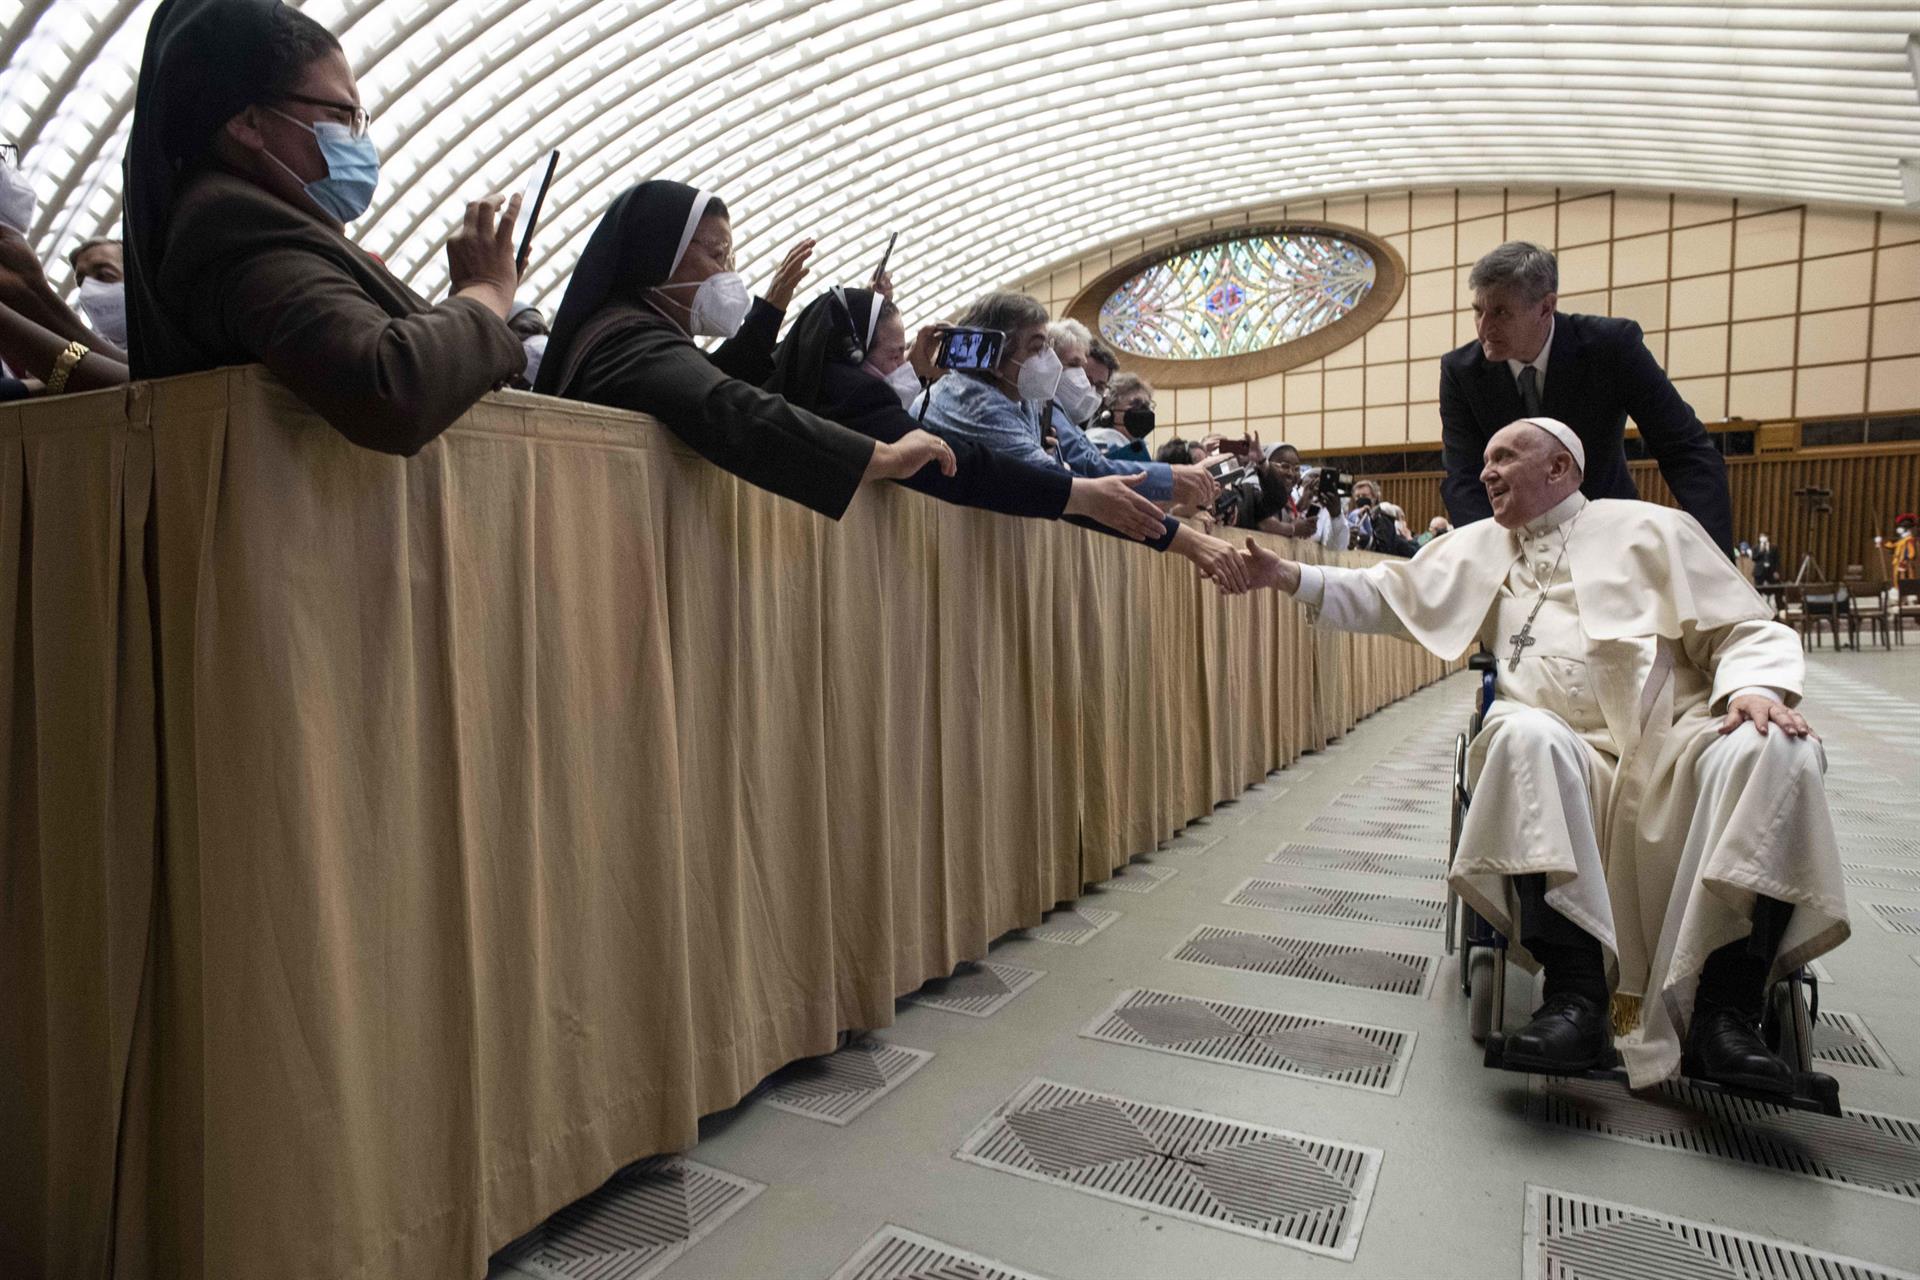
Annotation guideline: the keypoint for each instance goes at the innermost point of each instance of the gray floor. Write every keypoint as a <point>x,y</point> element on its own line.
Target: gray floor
<point>1432,1165</point>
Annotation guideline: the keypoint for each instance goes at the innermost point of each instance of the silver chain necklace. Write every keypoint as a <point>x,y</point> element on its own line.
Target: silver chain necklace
<point>1524,638</point>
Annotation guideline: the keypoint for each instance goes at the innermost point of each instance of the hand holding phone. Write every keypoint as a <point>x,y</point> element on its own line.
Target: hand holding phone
<point>533,219</point>
<point>969,348</point>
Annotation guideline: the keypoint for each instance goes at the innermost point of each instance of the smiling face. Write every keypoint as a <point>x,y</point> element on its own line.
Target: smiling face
<point>1527,473</point>
<point>889,345</point>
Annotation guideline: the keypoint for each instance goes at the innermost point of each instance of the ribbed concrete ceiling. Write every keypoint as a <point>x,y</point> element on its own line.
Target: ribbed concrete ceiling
<point>1000,136</point>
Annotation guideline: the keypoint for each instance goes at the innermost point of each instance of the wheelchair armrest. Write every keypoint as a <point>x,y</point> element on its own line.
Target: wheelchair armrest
<point>1482,661</point>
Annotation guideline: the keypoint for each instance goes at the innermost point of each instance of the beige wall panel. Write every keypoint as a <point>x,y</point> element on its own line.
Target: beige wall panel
<point>1769,238</point>
<point>1765,291</point>
<point>1645,304</point>
<point>1657,344</point>
<point>1838,231</point>
<point>1833,337</point>
<point>1266,396</point>
<point>1897,273</point>
<point>1431,247</point>
<point>1343,429</point>
<point>1429,337</point>
<point>1691,210</point>
<point>1894,386</point>
<point>1349,212</point>
<point>1528,197</point>
<point>1636,213</point>
<point>1351,356</point>
<point>1896,329</point>
<point>1836,282</point>
<point>1584,268</point>
<point>1344,389</point>
<point>1431,208</point>
<point>1189,406</point>
<point>1423,380</point>
<point>1230,402</point>
<point>1693,352</point>
<point>1760,395</point>
<point>1476,238</point>
<point>1593,304</point>
<point>1268,429</point>
<point>1386,384</point>
<point>1762,344</point>
<point>1480,203</point>
<point>1831,390</point>
<point>1899,228</point>
<point>1423,423</point>
<point>1463,331</point>
<point>1536,226</point>
<point>1640,259</point>
<point>1700,250</point>
<point>1386,424</point>
<point>1433,292</point>
<point>1304,431</point>
<point>1303,393</point>
<point>1388,214</point>
<point>1701,300</point>
<point>1587,221</point>
<point>1386,341</point>
<point>1706,396</point>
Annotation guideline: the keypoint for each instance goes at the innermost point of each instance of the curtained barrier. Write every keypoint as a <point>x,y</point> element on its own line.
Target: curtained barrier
<point>395,848</point>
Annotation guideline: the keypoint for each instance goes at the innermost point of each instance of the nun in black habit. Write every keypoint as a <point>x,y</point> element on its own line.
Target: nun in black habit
<point>240,175</point>
<point>835,362</point>
<point>657,273</point>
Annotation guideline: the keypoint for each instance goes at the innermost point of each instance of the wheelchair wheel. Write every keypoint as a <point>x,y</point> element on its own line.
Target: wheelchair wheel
<point>1480,979</point>
<point>1788,1025</point>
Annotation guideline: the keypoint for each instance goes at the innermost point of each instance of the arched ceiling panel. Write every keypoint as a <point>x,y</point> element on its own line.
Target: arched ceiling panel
<point>998,138</point>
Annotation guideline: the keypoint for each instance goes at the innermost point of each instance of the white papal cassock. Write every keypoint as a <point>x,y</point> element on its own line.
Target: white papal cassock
<point>1600,764</point>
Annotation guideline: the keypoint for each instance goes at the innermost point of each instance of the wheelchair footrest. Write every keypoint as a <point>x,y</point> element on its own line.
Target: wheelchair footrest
<point>1812,1091</point>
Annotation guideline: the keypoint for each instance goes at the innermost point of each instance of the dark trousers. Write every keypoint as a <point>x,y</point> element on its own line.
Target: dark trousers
<point>1734,977</point>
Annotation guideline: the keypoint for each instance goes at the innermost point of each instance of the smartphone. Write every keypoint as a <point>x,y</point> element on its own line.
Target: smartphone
<point>882,268</point>
<point>969,348</point>
<point>1239,448</point>
<point>533,218</point>
<point>1226,468</point>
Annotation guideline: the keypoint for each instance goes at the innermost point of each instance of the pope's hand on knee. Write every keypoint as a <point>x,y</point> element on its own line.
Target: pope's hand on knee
<point>1765,715</point>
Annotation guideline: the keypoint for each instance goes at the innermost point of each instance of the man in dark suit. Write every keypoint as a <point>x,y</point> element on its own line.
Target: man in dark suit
<point>1590,372</point>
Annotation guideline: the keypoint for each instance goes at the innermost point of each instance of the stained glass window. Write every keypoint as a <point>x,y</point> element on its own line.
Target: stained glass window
<point>1237,296</point>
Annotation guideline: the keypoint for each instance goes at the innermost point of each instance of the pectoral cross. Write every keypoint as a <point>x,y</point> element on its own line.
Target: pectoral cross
<point>1521,642</point>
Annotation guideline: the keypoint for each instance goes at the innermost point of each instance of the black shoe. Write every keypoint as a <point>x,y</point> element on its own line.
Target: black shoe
<point>1724,1047</point>
<point>1569,1034</point>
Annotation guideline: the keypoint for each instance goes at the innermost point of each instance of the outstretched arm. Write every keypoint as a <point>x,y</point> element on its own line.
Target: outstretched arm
<point>1344,599</point>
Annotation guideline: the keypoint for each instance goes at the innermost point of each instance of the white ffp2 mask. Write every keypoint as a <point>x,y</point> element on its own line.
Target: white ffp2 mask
<point>17,200</point>
<point>1039,376</point>
<point>1075,396</point>
<point>106,308</point>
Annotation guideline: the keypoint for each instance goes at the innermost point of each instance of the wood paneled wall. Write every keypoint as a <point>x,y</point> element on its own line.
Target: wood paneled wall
<point>1870,487</point>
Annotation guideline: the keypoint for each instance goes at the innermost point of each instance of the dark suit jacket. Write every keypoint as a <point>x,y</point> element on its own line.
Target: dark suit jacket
<point>248,277</point>
<point>1598,373</point>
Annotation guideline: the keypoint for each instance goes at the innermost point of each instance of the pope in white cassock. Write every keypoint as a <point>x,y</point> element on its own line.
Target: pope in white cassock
<point>1649,820</point>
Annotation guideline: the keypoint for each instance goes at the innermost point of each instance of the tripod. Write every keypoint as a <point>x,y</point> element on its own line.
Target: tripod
<point>1816,501</point>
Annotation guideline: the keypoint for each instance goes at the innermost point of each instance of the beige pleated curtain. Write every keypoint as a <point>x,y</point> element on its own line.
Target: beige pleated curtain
<point>395,848</point>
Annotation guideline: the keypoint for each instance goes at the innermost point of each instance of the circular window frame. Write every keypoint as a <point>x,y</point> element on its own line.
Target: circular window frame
<point>1389,282</point>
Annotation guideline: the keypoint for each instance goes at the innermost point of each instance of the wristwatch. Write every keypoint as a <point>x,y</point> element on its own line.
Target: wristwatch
<point>63,366</point>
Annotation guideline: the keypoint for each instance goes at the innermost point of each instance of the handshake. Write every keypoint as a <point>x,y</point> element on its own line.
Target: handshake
<point>1260,568</point>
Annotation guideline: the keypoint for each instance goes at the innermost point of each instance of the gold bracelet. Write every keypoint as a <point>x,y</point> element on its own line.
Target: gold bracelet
<point>63,366</point>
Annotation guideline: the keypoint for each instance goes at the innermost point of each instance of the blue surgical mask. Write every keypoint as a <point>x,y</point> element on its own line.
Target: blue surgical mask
<point>353,168</point>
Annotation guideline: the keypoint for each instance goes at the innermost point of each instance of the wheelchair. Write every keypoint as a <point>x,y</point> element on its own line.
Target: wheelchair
<point>1791,1007</point>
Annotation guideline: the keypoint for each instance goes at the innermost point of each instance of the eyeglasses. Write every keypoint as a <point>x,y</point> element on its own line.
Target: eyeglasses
<point>359,118</point>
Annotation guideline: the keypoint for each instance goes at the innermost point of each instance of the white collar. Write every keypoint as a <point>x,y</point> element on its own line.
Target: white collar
<point>1540,361</point>
<point>1561,512</point>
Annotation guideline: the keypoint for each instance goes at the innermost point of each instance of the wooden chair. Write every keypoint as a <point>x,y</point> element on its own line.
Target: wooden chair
<point>1906,606</point>
<point>1809,604</point>
<point>1868,600</point>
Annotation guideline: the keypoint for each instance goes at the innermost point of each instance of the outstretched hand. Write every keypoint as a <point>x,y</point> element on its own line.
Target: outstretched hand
<point>1112,501</point>
<point>1763,713</point>
<point>1265,569</point>
<point>793,269</point>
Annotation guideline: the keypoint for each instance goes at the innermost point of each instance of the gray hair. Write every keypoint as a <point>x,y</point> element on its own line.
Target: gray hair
<point>1125,384</point>
<point>1069,337</point>
<point>1007,312</point>
<point>1527,266</point>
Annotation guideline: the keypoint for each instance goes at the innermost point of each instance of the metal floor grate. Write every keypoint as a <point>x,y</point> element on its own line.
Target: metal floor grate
<point>894,1253</point>
<point>1418,807</point>
<point>1340,904</point>
<point>1875,821</point>
<point>1366,861</point>
<point>1575,1237</point>
<point>642,1219</point>
<point>1397,972</point>
<point>1860,1149</point>
<point>1888,846</point>
<point>1288,1044</point>
<point>1843,1039</point>
<point>1069,926</point>
<point>1868,876</point>
<point>978,990</point>
<point>1896,917</point>
<point>839,1086</point>
<point>1430,785</point>
<point>1429,834</point>
<point>1138,877</point>
<point>1311,1193</point>
<point>1191,841</point>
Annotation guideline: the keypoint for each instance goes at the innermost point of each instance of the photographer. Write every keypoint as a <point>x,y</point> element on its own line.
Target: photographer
<point>1321,500</point>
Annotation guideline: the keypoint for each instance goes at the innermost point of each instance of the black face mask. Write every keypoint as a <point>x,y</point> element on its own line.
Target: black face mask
<point>1137,421</point>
